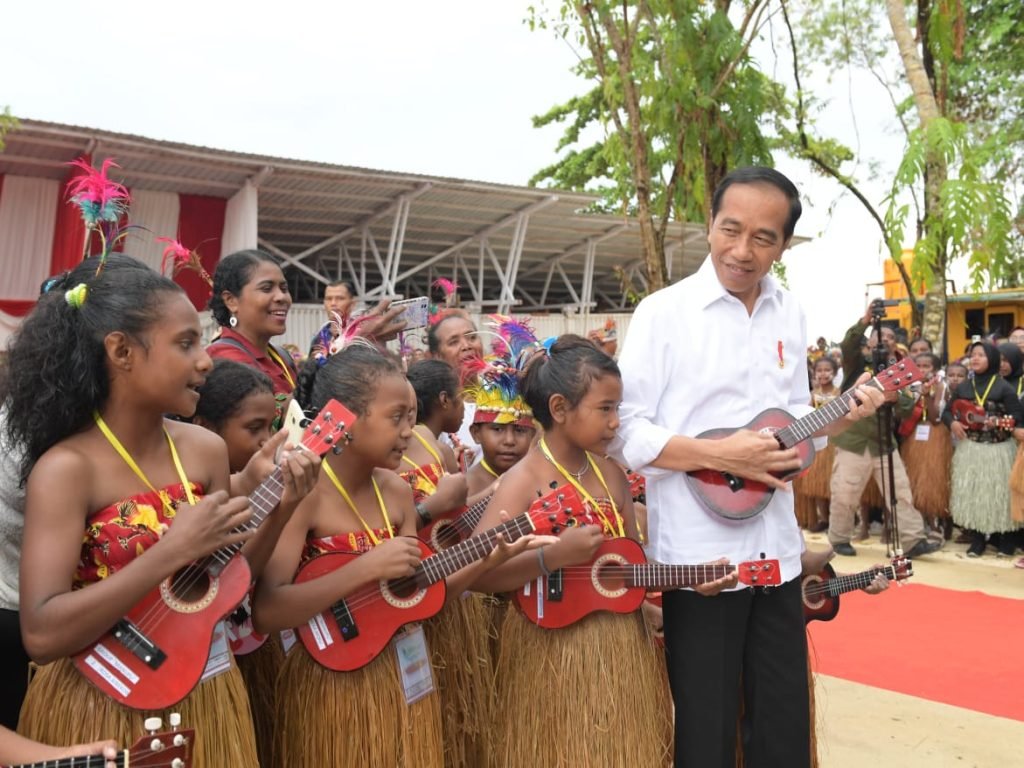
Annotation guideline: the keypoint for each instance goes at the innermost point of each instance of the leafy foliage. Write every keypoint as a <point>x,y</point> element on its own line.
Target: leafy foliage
<point>8,123</point>
<point>675,102</point>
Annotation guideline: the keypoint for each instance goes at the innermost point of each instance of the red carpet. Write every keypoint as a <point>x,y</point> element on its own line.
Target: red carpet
<point>959,648</point>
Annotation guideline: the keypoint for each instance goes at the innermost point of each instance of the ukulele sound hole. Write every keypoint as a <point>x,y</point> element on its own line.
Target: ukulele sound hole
<point>190,590</point>
<point>609,576</point>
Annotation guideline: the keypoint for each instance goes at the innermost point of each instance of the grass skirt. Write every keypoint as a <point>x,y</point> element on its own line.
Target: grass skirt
<point>817,482</point>
<point>63,708</point>
<point>872,496</point>
<point>580,696</point>
<point>360,718</point>
<point>980,493</point>
<point>1017,487</point>
<point>806,509</point>
<point>459,639</point>
<point>259,670</point>
<point>928,468</point>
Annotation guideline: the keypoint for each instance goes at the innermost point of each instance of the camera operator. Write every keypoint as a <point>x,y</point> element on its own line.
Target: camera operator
<point>858,450</point>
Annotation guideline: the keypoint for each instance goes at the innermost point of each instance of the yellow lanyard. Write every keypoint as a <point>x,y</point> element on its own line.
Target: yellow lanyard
<point>348,500</point>
<point>123,452</point>
<point>430,449</point>
<point>607,524</point>
<point>1020,383</point>
<point>284,367</point>
<point>981,400</point>
<point>487,467</point>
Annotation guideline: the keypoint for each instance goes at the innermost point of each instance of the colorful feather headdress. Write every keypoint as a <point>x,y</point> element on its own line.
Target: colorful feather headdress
<point>181,258</point>
<point>493,383</point>
<point>338,334</point>
<point>103,202</point>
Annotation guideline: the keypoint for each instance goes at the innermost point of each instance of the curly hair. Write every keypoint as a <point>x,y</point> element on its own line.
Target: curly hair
<point>429,378</point>
<point>226,386</point>
<point>232,274</point>
<point>569,368</point>
<point>350,377</point>
<point>56,373</point>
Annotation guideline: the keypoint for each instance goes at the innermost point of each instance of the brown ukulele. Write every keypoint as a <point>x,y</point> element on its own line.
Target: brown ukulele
<point>738,498</point>
<point>821,591</point>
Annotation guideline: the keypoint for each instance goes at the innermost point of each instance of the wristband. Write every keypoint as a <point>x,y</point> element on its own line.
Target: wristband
<point>540,562</point>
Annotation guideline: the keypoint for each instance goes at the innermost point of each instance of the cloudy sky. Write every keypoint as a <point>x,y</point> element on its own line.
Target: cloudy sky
<point>446,87</point>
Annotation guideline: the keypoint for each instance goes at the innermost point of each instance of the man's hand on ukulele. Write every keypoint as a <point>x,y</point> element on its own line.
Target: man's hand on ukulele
<point>867,400</point>
<point>756,456</point>
<point>712,588</point>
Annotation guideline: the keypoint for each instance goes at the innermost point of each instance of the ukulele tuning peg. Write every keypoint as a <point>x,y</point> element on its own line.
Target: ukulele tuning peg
<point>329,439</point>
<point>174,719</point>
<point>177,763</point>
<point>336,450</point>
<point>552,485</point>
<point>316,430</point>
<point>341,426</point>
<point>153,724</point>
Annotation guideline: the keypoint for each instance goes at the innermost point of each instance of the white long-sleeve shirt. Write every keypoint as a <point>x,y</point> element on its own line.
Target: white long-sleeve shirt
<point>694,360</point>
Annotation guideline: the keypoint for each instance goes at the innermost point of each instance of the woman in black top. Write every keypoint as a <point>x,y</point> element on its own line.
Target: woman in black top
<point>980,487</point>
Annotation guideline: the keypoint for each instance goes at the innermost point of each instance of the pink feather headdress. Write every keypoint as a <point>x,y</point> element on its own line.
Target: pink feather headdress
<point>102,202</point>
<point>181,258</point>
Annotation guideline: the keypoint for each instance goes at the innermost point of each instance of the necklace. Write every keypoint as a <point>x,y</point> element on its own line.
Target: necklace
<point>578,475</point>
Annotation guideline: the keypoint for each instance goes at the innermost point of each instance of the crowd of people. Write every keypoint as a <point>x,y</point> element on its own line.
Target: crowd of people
<point>132,451</point>
<point>953,443</point>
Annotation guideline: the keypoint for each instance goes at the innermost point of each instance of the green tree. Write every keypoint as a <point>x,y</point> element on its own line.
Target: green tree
<point>956,169</point>
<point>7,124</point>
<point>675,100</point>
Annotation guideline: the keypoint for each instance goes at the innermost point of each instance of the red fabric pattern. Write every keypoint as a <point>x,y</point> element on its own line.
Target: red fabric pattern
<point>350,543</point>
<point>120,532</point>
<point>68,230</point>
<point>200,227</point>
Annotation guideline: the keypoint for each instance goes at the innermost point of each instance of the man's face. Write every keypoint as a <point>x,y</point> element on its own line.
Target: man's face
<point>337,300</point>
<point>746,237</point>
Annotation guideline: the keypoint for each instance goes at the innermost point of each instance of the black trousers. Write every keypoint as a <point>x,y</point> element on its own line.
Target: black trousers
<point>753,642</point>
<point>13,669</point>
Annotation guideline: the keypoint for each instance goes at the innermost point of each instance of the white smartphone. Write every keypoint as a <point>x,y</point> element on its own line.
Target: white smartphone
<point>295,422</point>
<point>415,311</point>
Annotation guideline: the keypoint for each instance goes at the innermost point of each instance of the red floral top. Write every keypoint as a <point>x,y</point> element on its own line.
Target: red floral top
<point>120,532</point>
<point>423,480</point>
<point>349,543</point>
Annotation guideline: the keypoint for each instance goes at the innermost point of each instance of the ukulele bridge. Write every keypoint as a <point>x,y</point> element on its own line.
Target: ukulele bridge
<point>131,637</point>
<point>735,483</point>
<point>346,622</point>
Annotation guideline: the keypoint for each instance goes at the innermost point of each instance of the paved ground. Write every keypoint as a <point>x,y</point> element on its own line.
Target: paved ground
<point>860,726</point>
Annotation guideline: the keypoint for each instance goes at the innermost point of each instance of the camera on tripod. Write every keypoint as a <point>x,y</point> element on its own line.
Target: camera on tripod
<point>878,306</point>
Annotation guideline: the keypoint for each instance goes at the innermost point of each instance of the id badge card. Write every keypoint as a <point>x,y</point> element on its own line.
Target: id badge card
<point>923,432</point>
<point>288,638</point>
<point>219,660</point>
<point>414,667</point>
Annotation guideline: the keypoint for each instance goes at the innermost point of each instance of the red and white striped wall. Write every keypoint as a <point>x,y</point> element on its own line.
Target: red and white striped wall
<point>41,234</point>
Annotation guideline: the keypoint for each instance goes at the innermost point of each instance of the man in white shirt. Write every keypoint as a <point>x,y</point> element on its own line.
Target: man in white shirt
<point>714,351</point>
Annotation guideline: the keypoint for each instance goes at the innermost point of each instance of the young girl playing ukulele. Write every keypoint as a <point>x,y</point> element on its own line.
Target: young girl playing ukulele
<point>119,497</point>
<point>358,506</point>
<point>428,465</point>
<point>238,403</point>
<point>586,694</point>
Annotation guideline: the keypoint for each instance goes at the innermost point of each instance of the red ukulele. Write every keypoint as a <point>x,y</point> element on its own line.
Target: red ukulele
<point>352,632</point>
<point>974,417</point>
<point>617,580</point>
<point>821,591</point>
<point>737,498</point>
<point>156,654</point>
<point>450,530</point>
<point>154,750</point>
